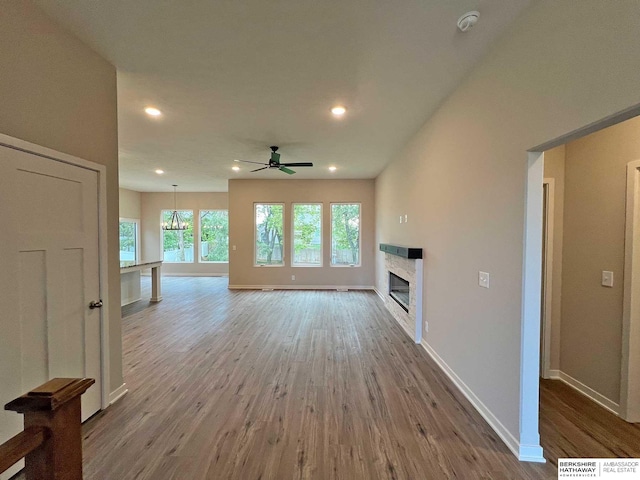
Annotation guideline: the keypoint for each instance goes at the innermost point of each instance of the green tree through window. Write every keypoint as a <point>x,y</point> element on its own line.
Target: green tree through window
<point>345,234</point>
<point>269,238</point>
<point>214,235</point>
<point>128,236</point>
<point>307,234</point>
<point>177,245</point>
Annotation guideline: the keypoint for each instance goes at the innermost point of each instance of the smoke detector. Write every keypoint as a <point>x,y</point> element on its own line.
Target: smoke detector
<point>468,20</point>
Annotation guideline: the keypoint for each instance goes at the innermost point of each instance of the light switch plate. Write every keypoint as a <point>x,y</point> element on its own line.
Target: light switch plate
<point>483,279</point>
<point>607,278</point>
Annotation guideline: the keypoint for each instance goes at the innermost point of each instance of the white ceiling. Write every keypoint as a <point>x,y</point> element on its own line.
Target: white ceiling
<point>234,77</point>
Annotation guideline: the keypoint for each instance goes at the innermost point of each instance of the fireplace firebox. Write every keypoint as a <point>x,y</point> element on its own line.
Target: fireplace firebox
<point>399,290</point>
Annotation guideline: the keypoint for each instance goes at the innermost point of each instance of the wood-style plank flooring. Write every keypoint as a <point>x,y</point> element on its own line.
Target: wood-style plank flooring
<point>254,385</point>
<point>573,426</point>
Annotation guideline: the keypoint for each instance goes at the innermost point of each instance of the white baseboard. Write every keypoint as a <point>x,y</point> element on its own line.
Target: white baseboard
<point>118,393</point>
<point>554,374</point>
<point>171,274</point>
<point>380,294</point>
<point>585,390</point>
<point>528,453</point>
<point>301,287</point>
<point>531,453</point>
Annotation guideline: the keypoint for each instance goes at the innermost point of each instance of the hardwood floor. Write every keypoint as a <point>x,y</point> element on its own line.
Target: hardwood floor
<point>285,385</point>
<point>294,385</point>
<point>571,425</point>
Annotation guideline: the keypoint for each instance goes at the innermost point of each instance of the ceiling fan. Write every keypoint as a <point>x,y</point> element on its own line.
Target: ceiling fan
<point>274,162</point>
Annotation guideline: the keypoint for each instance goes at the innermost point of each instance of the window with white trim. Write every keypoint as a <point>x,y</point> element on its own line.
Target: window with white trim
<point>129,240</point>
<point>177,245</point>
<point>269,239</point>
<point>345,234</point>
<point>214,236</point>
<point>307,235</point>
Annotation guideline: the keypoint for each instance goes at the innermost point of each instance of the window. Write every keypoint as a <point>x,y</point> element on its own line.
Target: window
<point>214,236</point>
<point>128,240</point>
<point>177,245</point>
<point>268,229</point>
<point>345,234</point>
<point>307,234</point>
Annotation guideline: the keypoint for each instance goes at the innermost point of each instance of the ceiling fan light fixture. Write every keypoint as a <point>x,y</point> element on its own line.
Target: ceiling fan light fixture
<point>338,110</point>
<point>274,162</point>
<point>332,169</point>
<point>159,171</point>
<point>235,168</point>
<point>176,222</point>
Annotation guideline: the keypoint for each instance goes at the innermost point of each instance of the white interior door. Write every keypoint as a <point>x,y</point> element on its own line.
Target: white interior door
<point>49,274</point>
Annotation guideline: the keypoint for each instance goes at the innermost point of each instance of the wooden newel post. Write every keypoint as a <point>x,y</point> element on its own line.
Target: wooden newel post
<point>54,406</point>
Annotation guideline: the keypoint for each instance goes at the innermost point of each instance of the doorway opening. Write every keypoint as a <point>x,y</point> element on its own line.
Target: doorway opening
<point>580,212</point>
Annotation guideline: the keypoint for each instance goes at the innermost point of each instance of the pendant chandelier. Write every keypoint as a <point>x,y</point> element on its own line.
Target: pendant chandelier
<point>176,222</point>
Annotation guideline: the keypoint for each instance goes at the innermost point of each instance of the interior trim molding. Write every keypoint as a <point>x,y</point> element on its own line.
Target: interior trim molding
<point>384,300</point>
<point>522,452</point>
<point>585,390</point>
<point>302,287</point>
<point>103,253</point>
<point>180,274</point>
<point>118,393</point>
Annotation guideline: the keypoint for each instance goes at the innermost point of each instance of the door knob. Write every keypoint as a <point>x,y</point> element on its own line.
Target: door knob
<point>97,304</point>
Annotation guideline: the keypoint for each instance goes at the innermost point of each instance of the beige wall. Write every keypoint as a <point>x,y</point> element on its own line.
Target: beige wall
<point>130,204</point>
<point>461,179</point>
<point>594,229</point>
<point>554,161</point>
<point>58,93</point>
<point>152,205</point>
<point>242,196</point>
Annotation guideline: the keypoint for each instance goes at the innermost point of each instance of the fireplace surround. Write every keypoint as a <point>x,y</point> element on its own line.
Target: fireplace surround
<point>406,263</point>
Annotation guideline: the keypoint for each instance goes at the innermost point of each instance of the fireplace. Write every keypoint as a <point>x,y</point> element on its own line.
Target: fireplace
<point>399,290</point>
<point>403,284</point>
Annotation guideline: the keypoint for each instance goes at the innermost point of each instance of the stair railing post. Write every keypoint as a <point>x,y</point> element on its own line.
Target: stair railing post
<point>56,407</point>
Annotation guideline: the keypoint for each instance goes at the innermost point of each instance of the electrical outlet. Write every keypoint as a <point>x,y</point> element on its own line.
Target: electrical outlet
<point>483,279</point>
<point>607,278</point>
<point>293,277</point>
<point>426,326</point>
<point>234,247</point>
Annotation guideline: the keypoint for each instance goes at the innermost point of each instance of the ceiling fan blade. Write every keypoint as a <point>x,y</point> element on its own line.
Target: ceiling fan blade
<point>258,169</point>
<point>302,164</point>
<point>286,170</point>
<point>275,157</point>
<point>249,161</point>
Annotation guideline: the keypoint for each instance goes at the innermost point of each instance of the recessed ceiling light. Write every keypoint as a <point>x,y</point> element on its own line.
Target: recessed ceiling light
<point>338,110</point>
<point>235,168</point>
<point>159,172</point>
<point>154,112</point>
<point>332,169</point>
